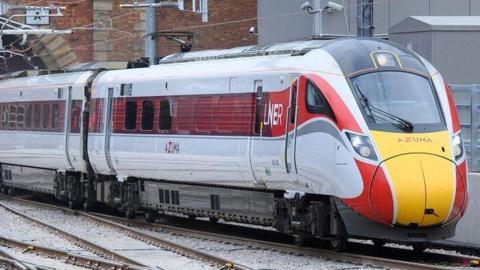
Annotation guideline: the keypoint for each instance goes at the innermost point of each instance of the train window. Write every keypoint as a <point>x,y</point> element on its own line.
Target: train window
<point>5,117</point>
<point>293,105</point>
<point>258,107</point>
<point>21,116</point>
<point>215,202</point>
<point>45,116</point>
<point>175,197</point>
<point>126,89</point>
<point>161,197</point>
<point>147,115</point>
<point>60,93</point>
<point>165,122</point>
<point>36,115</point>
<point>28,116</point>
<point>167,196</point>
<point>12,117</point>
<point>315,101</point>
<point>55,116</point>
<point>130,115</point>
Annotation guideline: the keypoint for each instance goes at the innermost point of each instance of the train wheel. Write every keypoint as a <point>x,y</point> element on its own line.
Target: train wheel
<point>299,240</point>
<point>11,191</point>
<point>87,205</point>
<point>151,216</point>
<point>72,205</point>
<point>192,217</point>
<point>5,190</point>
<point>378,242</point>
<point>339,244</point>
<point>130,212</point>
<point>213,219</point>
<point>419,247</point>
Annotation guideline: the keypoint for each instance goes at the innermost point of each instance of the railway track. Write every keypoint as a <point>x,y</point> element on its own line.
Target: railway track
<point>382,258</point>
<point>95,248</point>
<point>203,257</point>
<point>145,232</point>
<point>69,258</point>
<point>9,262</point>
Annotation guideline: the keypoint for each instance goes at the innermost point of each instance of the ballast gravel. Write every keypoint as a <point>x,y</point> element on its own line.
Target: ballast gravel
<point>113,239</point>
<point>17,228</point>
<point>38,262</point>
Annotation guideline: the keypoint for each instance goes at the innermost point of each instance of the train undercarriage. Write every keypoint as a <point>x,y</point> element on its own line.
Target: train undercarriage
<point>302,216</point>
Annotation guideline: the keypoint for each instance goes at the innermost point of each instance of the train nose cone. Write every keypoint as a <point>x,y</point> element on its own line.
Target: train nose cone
<point>422,187</point>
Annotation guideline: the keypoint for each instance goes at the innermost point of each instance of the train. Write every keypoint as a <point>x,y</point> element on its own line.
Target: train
<point>331,139</point>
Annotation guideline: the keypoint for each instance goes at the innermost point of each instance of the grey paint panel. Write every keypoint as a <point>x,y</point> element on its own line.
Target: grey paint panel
<point>449,56</point>
<point>474,7</point>
<point>421,43</point>
<point>450,7</point>
<point>381,17</point>
<point>399,10</point>
<point>282,20</point>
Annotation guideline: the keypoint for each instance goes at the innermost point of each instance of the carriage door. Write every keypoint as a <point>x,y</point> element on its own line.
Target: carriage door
<point>108,127</point>
<point>291,130</point>
<point>255,140</point>
<point>67,122</point>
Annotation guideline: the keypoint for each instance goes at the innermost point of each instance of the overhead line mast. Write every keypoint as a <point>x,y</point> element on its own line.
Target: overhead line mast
<point>151,21</point>
<point>365,26</point>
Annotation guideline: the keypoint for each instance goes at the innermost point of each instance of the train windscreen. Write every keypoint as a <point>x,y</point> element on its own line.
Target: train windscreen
<point>404,100</point>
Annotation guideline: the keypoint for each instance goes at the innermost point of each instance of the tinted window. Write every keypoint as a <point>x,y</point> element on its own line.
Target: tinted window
<point>55,116</point>
<point>131,115</point>
<point>165,122</point>
<point>401,94</point>
<point>29,116</point>
<point>12,121</point>
<point>36,115</point>
<point>5,117</point>
<point>21,116</point>
<point>45,115</point>
<point>316,102</point>
<point>147,115</point>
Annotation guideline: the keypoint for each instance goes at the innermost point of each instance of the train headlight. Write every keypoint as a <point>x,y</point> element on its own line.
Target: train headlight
<point>457,146</point>
<point>362,145</point>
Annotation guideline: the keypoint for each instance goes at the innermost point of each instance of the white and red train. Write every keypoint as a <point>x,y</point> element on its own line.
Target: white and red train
<point>350,137</point>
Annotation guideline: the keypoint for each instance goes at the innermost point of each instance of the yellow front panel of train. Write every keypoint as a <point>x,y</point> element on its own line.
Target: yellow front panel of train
<point>421,174</point>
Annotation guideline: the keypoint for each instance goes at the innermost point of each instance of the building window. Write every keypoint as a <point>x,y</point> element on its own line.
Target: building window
<point>131,115</point>
<point>55,116</point>
<point>21,117</point>
<point>5,117</point>
<point>165,122</point>
<point>36,115</point>
<point>147,115</point>
<point>12,121</point>
<point>126,89</point>
<point>45,116</point>
<point>29,116</point>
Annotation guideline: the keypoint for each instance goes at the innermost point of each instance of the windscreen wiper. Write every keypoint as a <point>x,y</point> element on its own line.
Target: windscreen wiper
<point>383,115</point>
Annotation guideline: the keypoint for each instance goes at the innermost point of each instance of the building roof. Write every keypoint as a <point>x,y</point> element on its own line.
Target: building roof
<point>437,23</point>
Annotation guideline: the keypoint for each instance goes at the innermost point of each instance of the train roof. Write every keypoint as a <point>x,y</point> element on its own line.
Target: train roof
<point>351,54</point>
<point>50,80</point>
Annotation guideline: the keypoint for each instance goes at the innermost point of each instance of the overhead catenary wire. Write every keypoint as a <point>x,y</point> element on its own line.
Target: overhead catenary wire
<point>133,34</point>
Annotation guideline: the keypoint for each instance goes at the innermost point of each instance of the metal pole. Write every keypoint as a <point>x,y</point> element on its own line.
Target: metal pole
<point>150,27</point>
<point>365,25</point>
<point>317,19</point>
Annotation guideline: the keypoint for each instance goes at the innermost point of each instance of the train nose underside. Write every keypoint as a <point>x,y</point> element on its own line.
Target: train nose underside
<point>425,186</point>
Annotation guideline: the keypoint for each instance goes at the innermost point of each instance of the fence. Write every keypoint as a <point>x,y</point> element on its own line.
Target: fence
<point>467,101</point>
